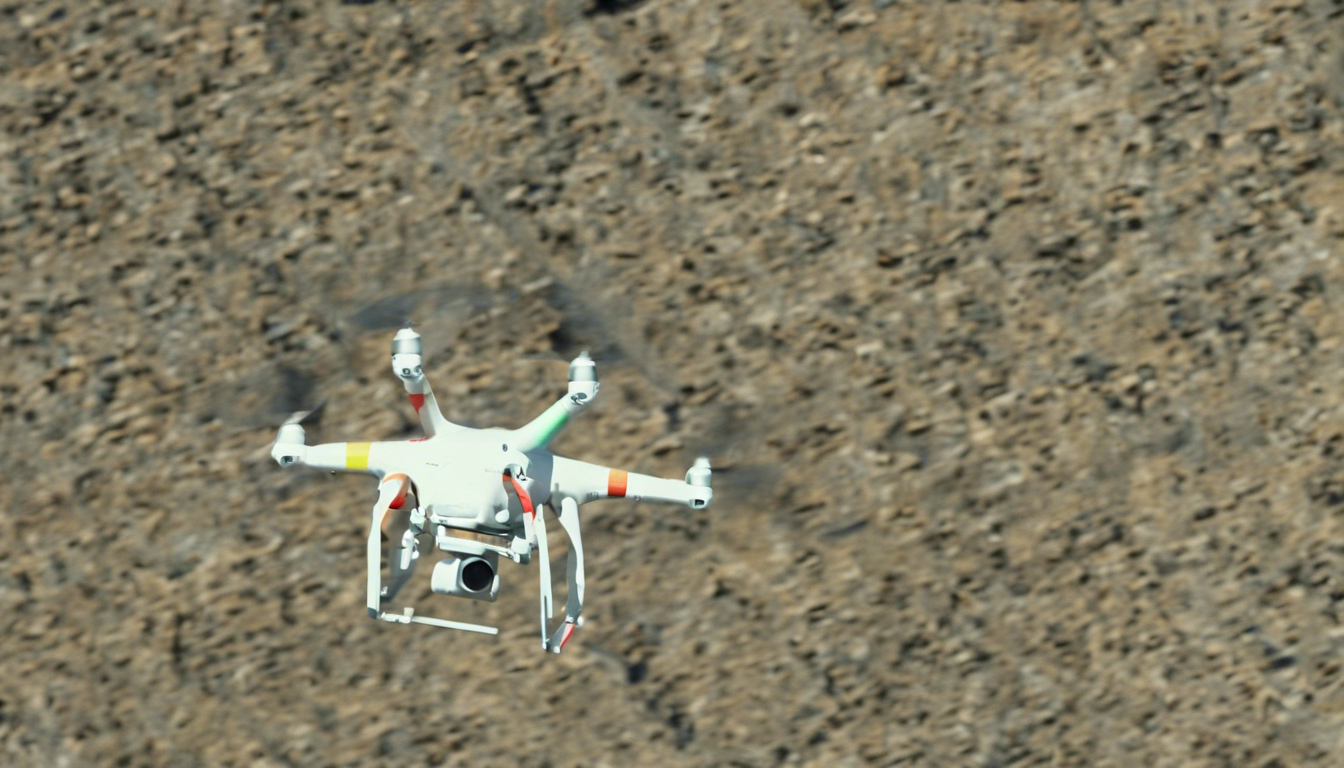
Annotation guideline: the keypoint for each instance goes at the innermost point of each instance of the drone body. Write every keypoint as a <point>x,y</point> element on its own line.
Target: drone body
<point>496,482</point>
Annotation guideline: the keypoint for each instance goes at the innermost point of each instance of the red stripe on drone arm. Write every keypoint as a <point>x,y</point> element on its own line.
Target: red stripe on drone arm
<point>616,482</point>
<point>522,496</point>
<point>417,402</point>
<point>398,498</point>
<point>569,630</point>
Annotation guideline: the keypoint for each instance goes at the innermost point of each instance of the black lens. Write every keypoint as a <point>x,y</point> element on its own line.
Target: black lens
<point>477,575</point>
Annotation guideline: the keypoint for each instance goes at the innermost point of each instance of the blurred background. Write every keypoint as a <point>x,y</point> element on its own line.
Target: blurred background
<point>1012,329</point>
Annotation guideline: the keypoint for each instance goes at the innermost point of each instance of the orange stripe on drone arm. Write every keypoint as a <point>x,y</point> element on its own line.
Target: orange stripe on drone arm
<point>616,482</point>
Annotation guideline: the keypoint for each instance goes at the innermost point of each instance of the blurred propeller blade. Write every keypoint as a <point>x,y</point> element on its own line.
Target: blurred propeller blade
<point>555,357</point>
<point>401,310</point>
<point>269,397</point>
<point>310,416</point>
<point>583,325</point>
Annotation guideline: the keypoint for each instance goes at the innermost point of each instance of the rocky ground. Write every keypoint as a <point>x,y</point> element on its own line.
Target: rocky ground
<point>1011,327</point>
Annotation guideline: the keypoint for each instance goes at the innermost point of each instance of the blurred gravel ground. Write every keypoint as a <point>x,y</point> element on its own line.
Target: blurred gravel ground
<point>1017,317</point>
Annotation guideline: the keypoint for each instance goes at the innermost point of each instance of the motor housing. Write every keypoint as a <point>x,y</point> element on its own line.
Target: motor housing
<point>699,476</point>
<point>467,575</point>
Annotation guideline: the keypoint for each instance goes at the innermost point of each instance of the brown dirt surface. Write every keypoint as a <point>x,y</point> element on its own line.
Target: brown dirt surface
<point>1009,325</point>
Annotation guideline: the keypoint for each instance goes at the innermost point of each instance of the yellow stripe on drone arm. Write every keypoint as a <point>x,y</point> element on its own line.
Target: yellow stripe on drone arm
<point>357,456</point>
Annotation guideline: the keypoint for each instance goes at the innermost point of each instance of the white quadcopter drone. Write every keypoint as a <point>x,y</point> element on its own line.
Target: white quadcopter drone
<point>496,482</point>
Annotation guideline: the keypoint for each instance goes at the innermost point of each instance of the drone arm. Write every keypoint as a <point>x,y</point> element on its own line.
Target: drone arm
<point>423,401</point>
<point>289,451</point>
<point>650,488</point>
<point>407,364</point>
<point>586,482</point>
<point>540,431</point>
<point>338,457</point>
<point>583,389</point>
